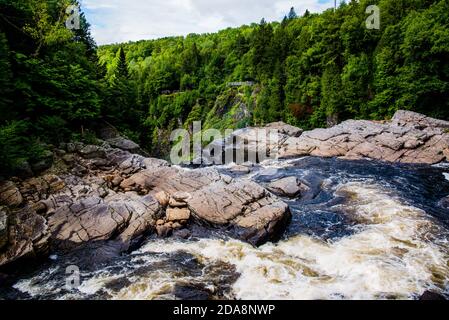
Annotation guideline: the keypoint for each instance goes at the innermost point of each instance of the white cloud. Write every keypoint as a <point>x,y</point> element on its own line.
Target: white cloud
<point>130,20</point>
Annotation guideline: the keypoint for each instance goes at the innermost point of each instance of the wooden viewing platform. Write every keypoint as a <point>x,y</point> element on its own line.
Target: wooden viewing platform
<point>241,84</point>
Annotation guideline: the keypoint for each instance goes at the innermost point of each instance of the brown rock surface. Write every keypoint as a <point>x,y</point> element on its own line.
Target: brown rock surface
<point>178,214</point>
<point>94,219</point>
<point>242,204</point>
<point>27,235</point>
<point>163,198</point>
<point>10,194</point>
<point>111,194</point>
<point>408,138</point>
<point>214,198</point>
<point>120,196</point>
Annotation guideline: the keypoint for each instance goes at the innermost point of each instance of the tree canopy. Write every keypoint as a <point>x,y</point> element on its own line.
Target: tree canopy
<point>313,70</point>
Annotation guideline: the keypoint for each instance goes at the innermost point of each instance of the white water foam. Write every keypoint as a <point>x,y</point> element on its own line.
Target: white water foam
<point>395,254</point>
<point>442,165</point>
<point>446,176</point>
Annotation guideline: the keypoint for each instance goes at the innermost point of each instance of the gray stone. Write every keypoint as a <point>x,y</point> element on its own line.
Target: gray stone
<point>243,204</point>
<point>3,227</point>
<point>240,169</point>
<point>155,163</point>
<point>92,152</point>
<point>284,128</point>
<point>27,235</point>
<point>288,187</point>
<point>408,138</point>
<point>416,120</point>
<point>124,144</point>
<point>9,194</point>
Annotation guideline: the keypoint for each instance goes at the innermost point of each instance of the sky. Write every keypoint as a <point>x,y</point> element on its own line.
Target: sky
<point>114,21</point>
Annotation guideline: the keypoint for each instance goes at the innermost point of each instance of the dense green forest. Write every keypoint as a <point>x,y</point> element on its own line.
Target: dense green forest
<point>313,70</point>
<point>52,86</point>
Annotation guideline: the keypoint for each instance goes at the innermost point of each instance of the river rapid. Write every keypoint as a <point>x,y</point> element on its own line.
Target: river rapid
<point>361,230</point>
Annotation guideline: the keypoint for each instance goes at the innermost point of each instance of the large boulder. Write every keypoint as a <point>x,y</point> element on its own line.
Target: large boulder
<point>178,214</point>
<point>112,136</point>
<point>285,129</point>
<point>27,235</point>
<point>408,138</point>
<point>256,214</point>
<point>9,194</point>
<point>215,199</point>
<point>248,145</point>
<point>91,151</point>
<point>122,216</point>
<point>286,187</point>
<point>417,120</point>
<point>124,144</point>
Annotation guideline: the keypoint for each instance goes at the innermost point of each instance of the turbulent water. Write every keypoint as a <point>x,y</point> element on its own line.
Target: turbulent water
<point>363,230</point>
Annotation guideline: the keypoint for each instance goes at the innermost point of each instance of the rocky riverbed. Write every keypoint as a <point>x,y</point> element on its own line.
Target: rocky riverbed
<point>321,222</point>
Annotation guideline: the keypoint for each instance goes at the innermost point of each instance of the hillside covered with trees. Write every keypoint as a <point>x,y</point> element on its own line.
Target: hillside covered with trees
<point>311,71</point>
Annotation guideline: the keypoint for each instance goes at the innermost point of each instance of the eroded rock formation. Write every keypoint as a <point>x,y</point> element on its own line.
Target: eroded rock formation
<point>408,138</point>
<point>98,193</point>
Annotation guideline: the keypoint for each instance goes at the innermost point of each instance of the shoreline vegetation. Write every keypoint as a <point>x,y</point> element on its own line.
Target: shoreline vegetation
<point>309,71</point>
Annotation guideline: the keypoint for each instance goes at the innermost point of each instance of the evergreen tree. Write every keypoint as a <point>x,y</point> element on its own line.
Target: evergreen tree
<point>191,59</point>
<point>331,99</point>
<point>262,50</point>
<point>5,80</point>
<point>292,14</point>
<point>122,65</point>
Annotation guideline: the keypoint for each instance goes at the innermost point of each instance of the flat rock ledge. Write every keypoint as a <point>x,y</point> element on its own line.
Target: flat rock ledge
<point>94,194</point>
<point>408,138</point>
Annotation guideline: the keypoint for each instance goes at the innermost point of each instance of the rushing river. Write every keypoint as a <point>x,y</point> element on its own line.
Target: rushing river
<point>363,230</point>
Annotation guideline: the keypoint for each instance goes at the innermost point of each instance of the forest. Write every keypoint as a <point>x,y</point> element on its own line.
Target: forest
<point>313,70</point>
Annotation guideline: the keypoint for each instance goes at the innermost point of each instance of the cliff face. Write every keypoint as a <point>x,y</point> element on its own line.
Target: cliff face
<point>94,194</point>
